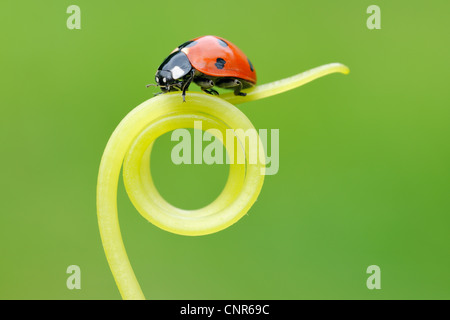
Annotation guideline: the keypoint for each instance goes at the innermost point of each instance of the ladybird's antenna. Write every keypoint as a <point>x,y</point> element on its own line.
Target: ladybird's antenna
<point>152,85</point>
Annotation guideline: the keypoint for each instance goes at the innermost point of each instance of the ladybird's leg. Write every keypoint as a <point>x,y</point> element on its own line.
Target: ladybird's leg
<point>231,83</point>
<point>210,91</point>
<point>238,88</point>
<point>187,83</point>
<point>206,85</point>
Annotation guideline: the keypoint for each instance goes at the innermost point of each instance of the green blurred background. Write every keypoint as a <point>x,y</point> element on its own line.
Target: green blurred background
<point>364,159</point>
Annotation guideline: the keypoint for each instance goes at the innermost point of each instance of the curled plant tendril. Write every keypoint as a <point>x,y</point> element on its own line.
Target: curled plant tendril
<point>131,144</point>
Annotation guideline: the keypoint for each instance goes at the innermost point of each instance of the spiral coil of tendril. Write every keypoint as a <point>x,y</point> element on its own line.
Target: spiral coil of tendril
<point>131,145</point>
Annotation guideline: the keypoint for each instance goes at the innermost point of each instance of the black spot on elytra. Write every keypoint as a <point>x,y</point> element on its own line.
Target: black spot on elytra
<point>187,44</point>
<point>222,43</point>
<point>251,65</point>
<point>220,63</point>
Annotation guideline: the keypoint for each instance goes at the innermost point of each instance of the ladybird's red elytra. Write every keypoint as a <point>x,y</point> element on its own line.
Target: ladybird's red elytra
<point>208,61</point>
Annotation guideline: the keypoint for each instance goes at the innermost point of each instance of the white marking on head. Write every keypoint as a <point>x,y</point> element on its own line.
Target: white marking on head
<point>164,80</point>
<point>177,72</point>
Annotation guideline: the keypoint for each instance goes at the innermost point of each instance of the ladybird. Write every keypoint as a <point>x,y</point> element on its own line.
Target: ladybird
<point>207,61</point>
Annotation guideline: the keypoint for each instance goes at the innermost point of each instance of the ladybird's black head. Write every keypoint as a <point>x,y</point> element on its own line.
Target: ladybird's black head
<point>165,80</point>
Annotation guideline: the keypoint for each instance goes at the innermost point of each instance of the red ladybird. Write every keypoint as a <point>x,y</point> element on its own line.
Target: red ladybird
<point>208,61</point>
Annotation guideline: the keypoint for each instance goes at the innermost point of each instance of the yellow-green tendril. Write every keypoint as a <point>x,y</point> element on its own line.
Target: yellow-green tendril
<point>131,144</point>
<point>273,88</point>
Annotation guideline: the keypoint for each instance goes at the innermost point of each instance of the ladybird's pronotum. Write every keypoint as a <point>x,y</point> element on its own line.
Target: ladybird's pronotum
<point>131,143</point>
